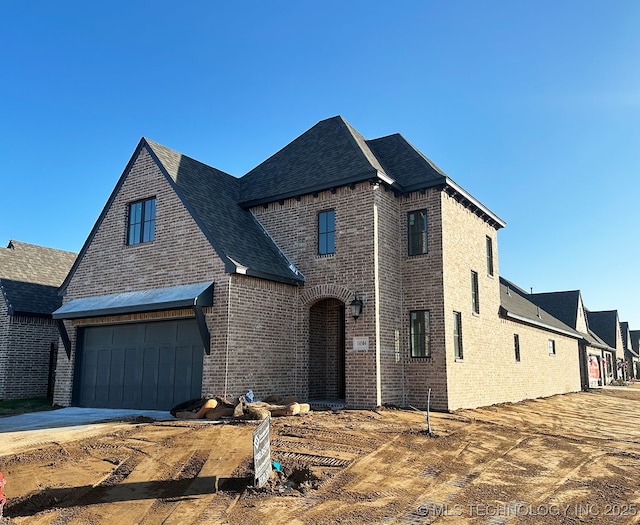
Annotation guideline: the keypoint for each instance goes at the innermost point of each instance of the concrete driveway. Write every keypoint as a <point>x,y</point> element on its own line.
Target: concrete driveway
<point>37,429</point>
<point>74,416</point>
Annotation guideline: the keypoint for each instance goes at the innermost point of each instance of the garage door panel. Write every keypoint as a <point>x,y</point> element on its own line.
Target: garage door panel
<point>140,365</point>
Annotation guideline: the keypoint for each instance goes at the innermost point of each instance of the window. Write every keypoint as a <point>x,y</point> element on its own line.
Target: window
<point>457,335</point>
<point>516,346</point>
<point>489,256</point>
<point>475,293</point>
<point>417,232</point>
<point>552,347</point>
<point>420,336</point>
<point>326,232</point>
<point>142,221</point>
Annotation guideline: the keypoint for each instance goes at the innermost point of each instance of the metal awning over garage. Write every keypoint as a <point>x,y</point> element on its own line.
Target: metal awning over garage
<point>194,296</point>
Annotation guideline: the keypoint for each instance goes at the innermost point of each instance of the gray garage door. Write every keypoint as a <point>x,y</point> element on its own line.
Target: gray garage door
<point>144,365</point>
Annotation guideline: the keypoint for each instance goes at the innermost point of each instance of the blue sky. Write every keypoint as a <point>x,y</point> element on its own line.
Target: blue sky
<point>531,106</point>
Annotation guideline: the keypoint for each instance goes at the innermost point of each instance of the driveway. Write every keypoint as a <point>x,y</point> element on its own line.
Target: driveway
<point>65,424</point>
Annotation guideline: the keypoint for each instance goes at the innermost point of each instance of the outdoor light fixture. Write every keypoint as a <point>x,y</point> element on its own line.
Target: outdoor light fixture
<point>356,308</point>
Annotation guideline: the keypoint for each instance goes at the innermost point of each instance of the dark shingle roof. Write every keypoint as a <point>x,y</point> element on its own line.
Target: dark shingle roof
<point>29,298</point>
<point>330,154</point>
<point>31,263</point>
<point>515,304</point>
<point>405,164</point>
<point>604,324</point>
<point>212,195</point>
<point>562,305</point>
<point>635,340</point>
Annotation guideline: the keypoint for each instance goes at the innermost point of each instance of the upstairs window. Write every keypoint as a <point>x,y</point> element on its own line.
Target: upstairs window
<point>516,346</point>
<point>142,221</point>
<point>475,293</point>
<point>489,256</point>
<point>326,232</point>
<point>457,335</point>
<point>417,232</point>
<point>552,347</point>
<point>420,336</point>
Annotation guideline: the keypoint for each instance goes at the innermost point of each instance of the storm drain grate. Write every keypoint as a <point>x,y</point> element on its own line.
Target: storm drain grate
<point>312,459</point>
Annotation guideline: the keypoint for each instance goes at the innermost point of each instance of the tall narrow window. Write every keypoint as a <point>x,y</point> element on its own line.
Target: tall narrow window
<point>475,293</point>
<point>516,346</point>
<point>552,347</point>
<point>142,221</point>
<point>489,256</point>
<point>420,337</point>
<point>326,232</point>
<point>417,232</point>
<point>457,335</point>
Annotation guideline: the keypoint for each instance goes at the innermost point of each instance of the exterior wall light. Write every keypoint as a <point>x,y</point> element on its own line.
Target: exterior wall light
<point>356,308</point>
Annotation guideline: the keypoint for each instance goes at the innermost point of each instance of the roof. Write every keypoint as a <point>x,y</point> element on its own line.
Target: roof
<point>29,298</point>
<point>635,340</point>
<point>515,304</point>
<point>31,263</point>
<point>333,154</point>
<point>604,324</point>
<point>211,196</point>
<point>30,276</point>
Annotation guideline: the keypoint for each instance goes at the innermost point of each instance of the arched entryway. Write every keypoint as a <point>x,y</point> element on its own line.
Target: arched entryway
<point>327,350</point>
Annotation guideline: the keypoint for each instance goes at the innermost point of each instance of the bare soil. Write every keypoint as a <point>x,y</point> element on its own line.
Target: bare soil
<point>571,459</point>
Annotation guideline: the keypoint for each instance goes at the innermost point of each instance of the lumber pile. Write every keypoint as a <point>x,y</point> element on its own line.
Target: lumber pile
<point>219,408</point>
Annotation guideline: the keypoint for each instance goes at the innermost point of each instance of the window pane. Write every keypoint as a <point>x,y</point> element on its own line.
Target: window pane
<point>326,232</point>
<point>475,294</point>
<point>457,334</point>
<point>489,256</point>
<point>419,333</point>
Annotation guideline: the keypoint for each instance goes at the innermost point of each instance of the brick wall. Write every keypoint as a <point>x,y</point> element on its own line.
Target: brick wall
<point>488,372</point>
<point>25,356</point>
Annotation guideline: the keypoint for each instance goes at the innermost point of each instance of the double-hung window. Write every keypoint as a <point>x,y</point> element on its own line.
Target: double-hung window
<point>419,333</point>
<point>326,232</point>
<point>417,232</point>
<point>457,335</point>
<point>142,221</point>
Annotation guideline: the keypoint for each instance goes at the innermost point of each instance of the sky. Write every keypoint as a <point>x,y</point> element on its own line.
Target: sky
<point>531,106</point>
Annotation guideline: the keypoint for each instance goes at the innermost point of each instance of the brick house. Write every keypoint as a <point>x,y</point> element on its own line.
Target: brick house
<point>29,280</point>
<point>635,346</point>
<point>606,324</point>
<point>339,268</point>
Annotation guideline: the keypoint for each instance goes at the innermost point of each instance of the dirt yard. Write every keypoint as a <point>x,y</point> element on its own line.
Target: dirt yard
<point>567,459</point>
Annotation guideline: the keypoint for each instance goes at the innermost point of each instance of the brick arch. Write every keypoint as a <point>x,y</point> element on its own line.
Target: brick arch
<point>325,291</point>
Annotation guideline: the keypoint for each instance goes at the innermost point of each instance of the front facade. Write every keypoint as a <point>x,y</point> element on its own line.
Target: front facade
<point>606,325</point>
<point>195,282</point>
<point>29,279</point>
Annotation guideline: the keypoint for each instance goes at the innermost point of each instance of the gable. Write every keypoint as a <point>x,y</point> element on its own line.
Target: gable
<point>179,253</point>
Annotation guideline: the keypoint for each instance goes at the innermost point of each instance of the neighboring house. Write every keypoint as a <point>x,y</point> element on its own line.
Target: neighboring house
<point>635,346</point>
<point>568,307</point>
<point>29,279</point>
<point>338,269</point>
<point>606,325</point>
<point>631,357</point>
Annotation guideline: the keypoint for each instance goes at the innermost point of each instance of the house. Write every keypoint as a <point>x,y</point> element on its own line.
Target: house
<point>635,346</point>
<point>340,268</point>
<point>568,307</point>
<point>631,357</point>
<point>606,325</point>
<point>29,280</point>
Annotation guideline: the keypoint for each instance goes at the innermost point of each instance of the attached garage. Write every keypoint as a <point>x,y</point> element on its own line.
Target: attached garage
<point>152,365</point>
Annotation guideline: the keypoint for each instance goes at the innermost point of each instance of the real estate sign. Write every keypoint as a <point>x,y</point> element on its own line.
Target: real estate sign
<point>262,452</point>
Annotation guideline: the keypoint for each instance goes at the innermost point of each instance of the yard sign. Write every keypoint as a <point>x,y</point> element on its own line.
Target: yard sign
<point>262,453</point>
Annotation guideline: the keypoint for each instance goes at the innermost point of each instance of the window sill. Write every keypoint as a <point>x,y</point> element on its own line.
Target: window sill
<point>325,255</point>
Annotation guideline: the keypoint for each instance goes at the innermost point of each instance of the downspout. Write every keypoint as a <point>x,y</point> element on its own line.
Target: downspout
<point>226,359</point>
<point>376,284</point>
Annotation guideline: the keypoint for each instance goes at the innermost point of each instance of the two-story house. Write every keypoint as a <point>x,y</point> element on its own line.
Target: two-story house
<point>340,268</point>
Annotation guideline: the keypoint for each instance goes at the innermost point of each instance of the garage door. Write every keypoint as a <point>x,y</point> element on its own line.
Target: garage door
<point>144,365</point>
